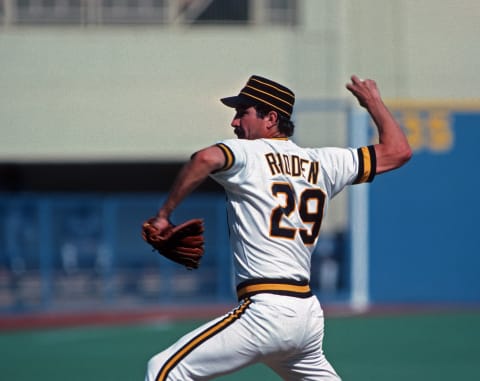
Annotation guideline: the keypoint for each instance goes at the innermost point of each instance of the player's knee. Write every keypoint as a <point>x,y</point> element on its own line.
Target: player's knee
<point>157,363</point>
<point>154,365</point>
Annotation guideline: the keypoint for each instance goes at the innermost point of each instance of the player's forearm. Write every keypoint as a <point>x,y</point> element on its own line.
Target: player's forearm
<point>393,149</point>
<point>186,182</point>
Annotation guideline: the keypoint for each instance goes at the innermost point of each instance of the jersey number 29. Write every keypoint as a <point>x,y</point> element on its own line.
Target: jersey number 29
<point>308,214</point>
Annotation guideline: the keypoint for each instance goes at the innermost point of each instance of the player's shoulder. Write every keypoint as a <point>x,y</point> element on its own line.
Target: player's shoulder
<point>234,146</point>
<point>331,151</point>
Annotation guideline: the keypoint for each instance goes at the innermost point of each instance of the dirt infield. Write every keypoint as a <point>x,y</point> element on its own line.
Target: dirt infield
<point>132,315</point>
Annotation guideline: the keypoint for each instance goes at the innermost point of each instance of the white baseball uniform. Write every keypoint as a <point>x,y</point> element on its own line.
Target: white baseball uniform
<point>277,194</point>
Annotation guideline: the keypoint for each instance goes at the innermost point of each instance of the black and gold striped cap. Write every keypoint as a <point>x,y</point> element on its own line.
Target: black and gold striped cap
<point>262,90</point>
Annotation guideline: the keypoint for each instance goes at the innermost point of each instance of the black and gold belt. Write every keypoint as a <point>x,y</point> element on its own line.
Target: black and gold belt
<point>299,289</point>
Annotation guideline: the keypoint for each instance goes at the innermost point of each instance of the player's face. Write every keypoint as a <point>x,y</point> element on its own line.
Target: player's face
<point>247,125</point>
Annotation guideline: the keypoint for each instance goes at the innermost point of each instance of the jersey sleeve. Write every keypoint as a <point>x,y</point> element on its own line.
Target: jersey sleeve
<point>235,163</point>
<point>347,166</point>
<point>229,156</point>
<point>367,164</point>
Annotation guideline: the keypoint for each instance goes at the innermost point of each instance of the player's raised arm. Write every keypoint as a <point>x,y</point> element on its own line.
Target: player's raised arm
<point>393,149</point>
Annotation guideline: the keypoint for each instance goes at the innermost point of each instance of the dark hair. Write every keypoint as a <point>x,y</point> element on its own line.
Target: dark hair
<point>285,125</point>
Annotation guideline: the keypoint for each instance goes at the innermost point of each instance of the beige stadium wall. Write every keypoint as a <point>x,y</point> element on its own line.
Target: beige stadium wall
<point>139,93</point>
<point>127,93</point>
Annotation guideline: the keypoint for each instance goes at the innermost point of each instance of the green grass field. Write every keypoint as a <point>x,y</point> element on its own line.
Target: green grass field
<point>444,346</point>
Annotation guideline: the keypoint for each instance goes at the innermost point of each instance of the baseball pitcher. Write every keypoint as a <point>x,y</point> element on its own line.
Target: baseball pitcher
<point>277,195</point>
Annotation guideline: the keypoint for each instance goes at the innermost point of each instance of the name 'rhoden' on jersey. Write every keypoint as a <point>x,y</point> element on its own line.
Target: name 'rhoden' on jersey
<point>293,165</point>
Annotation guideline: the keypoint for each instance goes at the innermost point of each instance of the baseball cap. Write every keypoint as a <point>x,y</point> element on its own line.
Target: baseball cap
<point>260,90</point>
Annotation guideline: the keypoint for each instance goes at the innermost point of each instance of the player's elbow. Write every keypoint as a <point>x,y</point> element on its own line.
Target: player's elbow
<point>388,159</point>
<point>404,155</point>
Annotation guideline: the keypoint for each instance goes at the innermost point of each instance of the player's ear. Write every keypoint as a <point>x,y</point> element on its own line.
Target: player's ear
<point>272,119</point>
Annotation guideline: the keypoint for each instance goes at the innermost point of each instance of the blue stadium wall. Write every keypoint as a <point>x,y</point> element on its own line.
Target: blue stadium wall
<point>70,234</point>
<point>424,238</point>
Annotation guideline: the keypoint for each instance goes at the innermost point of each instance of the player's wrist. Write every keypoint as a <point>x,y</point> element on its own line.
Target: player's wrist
<point>163,214</point>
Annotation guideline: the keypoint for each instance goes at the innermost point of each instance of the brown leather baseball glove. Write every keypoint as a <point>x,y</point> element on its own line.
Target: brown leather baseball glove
<point>182,243</point>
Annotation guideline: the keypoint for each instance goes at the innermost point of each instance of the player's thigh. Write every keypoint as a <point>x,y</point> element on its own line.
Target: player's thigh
<point>307,361</point>
<point>217,347</point>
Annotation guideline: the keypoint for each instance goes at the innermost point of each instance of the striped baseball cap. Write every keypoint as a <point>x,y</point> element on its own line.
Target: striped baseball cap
<point>260,90</point>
